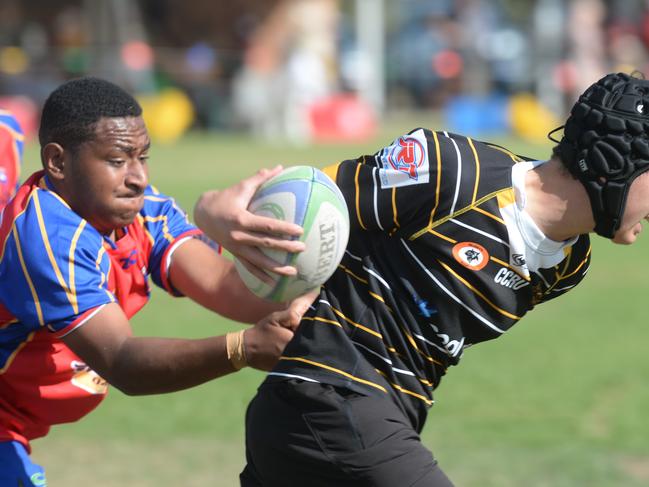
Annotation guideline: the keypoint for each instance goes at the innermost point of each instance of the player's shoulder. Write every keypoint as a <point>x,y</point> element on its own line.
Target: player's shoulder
<point>158,205</point>
<point>46,220</point>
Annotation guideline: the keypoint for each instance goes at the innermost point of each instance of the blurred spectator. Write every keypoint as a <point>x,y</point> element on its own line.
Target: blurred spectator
<point>290,63</point>
<point>11,152</point>
<point>260,65</point>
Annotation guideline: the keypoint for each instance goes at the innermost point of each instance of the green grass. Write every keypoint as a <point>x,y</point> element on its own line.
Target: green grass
<point>561,400</point>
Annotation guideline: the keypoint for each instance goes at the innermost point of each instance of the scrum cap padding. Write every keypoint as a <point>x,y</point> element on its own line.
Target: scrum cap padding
<point>605,144</point>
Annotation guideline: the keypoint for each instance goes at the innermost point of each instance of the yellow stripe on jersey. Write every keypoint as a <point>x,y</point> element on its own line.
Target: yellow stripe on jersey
<point>50,254</point>
<point>438,156</point>
<point>32,289</point>
<point>394,207</point>
<point>165,226</point>
<point>459,212</point>
<point>477,169</point>
<point>333,369</point>
<point>358,196</point>
<point>357,325</point>
<point>412,342</point>
<point>399,388</point>
<point>506,198</point>
<point>486,213</point>
<point>332,171</point>
<point>581,264</point>
<point>478,293</point>
<point>505,264</point>
<point>323,320</point>
<point>140,219</point>
<point>8,323</point>
<point>364,281</point>
<point>513,156</point>
<point>4,245</point>
<point>73,247</point>
<point>380,298</point>
<point>43,185</point>
<point>15,352</point>
<point>443,237</point>
<point>14,133</point>
<point>157,199</point>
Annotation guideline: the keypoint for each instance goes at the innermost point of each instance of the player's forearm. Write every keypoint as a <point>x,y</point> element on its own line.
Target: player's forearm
<point>159,365</point>
<point>234,300</point>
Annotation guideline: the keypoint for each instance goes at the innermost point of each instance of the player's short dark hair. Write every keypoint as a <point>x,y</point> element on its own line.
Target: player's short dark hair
<point>72,110</point>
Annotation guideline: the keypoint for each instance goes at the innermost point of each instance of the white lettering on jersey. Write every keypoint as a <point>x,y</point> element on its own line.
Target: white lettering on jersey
<point>453,347</point>
<point>405,162</point>
<point>510,279</point>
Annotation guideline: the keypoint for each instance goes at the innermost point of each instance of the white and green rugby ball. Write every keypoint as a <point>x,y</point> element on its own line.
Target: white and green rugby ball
<point>308,197</point>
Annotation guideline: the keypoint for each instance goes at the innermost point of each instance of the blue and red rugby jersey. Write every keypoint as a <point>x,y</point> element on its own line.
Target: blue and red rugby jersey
<point>56,271</point>
<point>11,152</point>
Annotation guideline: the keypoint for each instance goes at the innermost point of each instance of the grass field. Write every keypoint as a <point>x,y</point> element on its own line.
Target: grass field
<point>561,400</point>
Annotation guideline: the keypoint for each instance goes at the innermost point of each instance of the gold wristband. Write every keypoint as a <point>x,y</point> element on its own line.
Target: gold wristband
<point>236,349</point>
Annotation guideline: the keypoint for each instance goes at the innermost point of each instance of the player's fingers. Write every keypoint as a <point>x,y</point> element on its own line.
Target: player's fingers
<point>264,224</point>
<point>264,241</point>
<point>257,272</point>
<point>249,185</point>
<point>261,261</point>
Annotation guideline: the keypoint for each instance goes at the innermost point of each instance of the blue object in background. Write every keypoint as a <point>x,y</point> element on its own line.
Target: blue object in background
<point>477,115</point>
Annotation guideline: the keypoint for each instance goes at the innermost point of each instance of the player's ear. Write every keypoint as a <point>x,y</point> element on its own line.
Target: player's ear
<point>52,157</point>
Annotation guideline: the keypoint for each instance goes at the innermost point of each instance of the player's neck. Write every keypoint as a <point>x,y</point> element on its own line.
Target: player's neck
<point>557,202</point>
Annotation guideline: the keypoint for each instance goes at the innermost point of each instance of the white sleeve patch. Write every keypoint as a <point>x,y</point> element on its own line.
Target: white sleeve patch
<point>405,162</point>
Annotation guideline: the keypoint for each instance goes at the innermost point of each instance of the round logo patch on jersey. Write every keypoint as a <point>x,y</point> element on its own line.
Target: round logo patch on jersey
<point>471,255</point>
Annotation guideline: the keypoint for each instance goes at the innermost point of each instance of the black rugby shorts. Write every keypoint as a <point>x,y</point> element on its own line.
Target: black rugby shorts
<point>301,434</point>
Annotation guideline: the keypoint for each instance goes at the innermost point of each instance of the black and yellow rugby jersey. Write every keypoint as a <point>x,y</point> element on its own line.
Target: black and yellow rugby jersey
<point>440,257</point>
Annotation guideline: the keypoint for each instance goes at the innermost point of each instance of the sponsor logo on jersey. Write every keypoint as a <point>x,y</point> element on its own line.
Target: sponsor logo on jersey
<point>407,155</point>
<point>509,279</point>
<point>518,259</point>
<point>471,255</point>
<point>87,379</point>
<point>453,347</point>
<point>405,162</point>
<point>130,260</point>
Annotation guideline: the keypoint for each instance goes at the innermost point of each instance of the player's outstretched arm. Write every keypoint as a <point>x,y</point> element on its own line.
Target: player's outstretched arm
<point>212,281</point>
<point>148,365</point>
<point>223,216</point>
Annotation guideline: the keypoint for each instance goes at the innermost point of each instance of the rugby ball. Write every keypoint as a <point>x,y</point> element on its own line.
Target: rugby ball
<point>308,197</point>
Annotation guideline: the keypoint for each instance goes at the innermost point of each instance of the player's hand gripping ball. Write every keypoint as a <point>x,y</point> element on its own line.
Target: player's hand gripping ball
<point>308,197</point>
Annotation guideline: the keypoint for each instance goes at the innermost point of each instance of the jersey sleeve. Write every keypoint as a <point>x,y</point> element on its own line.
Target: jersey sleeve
<point>572,270</point>
<point>168,227</point>
<point>397,189</point>
<point>58,266</point>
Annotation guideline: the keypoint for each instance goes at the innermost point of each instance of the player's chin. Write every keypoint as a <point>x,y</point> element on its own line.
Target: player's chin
<point>626,238</point>
<point>129,207</point>
<point>124,218</point>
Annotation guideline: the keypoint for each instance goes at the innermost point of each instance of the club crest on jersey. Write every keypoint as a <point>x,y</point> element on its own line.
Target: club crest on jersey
<point>405,162</point>
<point>471,255</point>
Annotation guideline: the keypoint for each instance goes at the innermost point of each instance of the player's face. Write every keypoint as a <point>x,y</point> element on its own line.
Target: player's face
<point>106,177</point>
<point>637,209</point>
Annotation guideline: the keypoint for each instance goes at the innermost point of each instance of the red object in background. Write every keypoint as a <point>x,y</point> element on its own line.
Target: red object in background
<point>25,111</point>
<point>341,118</point>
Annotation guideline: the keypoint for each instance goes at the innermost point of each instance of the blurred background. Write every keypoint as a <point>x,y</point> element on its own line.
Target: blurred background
<point>323,70</point>
<point>229,87</point>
